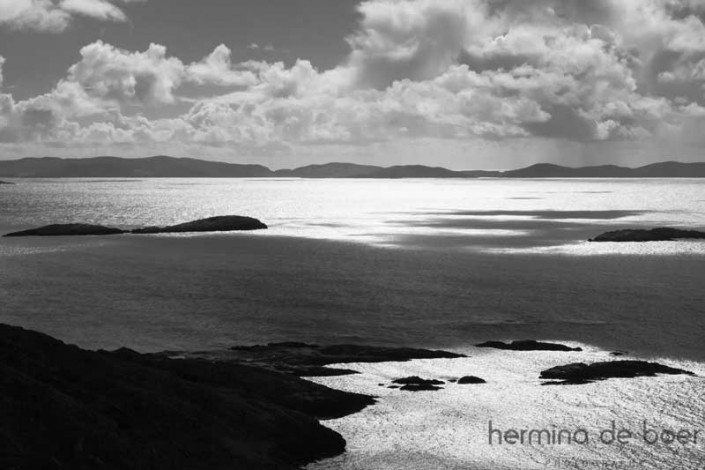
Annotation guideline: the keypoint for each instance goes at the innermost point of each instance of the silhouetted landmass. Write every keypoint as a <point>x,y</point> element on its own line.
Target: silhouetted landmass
<point>226,223</point>
<point>657,170</point>
<point>115,167</point>
<point>470,380</point>
<point>308,359</point>
<point>164,166</point>
<point>547,170</point>
<point>580,373</point>
<point>421,171</point>
<point>64,407</point>
<point>330,170</point>
<point>6,182</point>
<point>527,345</point>
<point>66,230</point>
<point>653,235</point>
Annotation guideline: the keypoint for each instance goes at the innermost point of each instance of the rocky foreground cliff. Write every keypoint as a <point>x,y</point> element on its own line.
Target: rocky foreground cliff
<point>63,407</point>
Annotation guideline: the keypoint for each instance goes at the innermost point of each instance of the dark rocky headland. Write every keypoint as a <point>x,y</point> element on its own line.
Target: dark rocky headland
<point>226,223</point>
<point>66,407</point>
<point>661,234</point>
<point>308,360</point>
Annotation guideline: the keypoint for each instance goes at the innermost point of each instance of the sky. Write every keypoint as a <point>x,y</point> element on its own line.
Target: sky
<point>465,84</point>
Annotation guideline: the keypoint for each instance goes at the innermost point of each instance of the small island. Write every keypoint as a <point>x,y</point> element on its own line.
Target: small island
<point>527,345</point>
<point>227,223</point>
<point>581,373</point>
<point>662,234</point>
<point>56,230</point>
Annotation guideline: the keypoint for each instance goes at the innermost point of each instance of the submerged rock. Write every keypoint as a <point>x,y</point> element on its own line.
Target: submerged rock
<point>527,345</point>
<point>653,235</point>
<point>225,223</point>
<point>580,373</point>
<point>64,407</point>
<point>66,230</point>
<point>470,379</point>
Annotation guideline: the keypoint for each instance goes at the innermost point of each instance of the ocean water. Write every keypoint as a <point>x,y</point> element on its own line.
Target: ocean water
<point>429,263</point>
<point>413,213</point>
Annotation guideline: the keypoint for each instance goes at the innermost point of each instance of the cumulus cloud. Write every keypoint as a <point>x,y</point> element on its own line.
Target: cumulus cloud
<point>118,76</point>
<point>54,16</point>
<point>217,69</point>
<point>574,70</point>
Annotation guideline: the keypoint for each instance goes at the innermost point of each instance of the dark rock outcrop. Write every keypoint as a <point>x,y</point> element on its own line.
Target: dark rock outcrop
<point>581,373</point>
<point>527,345</point>
<point>64,407</point>
<point>417,384</point>
<point>662,234</point>
<point>66,230</point>
<point>307,359</point>
<point>225,223</point>
<point>6,182</point>
<point>470,379</point>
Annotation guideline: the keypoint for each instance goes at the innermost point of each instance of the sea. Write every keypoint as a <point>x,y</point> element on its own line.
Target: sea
<point>439,263</point>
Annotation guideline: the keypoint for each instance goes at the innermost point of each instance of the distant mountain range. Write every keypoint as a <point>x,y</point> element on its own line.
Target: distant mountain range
<point>162,166</point>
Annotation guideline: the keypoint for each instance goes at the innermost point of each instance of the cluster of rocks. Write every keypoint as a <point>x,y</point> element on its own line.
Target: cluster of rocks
<point>417,384</point>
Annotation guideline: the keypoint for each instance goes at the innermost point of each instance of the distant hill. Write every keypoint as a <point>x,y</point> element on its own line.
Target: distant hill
<point>110,167</point>
<point>330,170</point>
<point>352,170</point>
<point>657,170</point>
<point>163,166</point>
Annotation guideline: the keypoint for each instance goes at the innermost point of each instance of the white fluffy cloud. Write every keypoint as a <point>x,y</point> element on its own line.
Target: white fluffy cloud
<point>575,70</point>
<point>55,15</point>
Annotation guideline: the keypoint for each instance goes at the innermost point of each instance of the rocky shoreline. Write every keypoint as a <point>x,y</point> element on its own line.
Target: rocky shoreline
<point>242,407</point>
<point>245,407</point>
<point>65,407</point>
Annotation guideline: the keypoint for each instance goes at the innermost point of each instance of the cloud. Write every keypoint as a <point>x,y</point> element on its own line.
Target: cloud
<point>454,70</point>
<point>98,9</point>
<point>117,76</point>
<point>217,69</point>
<point>54,16</point>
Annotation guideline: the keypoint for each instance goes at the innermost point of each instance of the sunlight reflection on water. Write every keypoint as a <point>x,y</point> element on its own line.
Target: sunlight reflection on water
<point>469,214</point>
<point>449,429</point>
